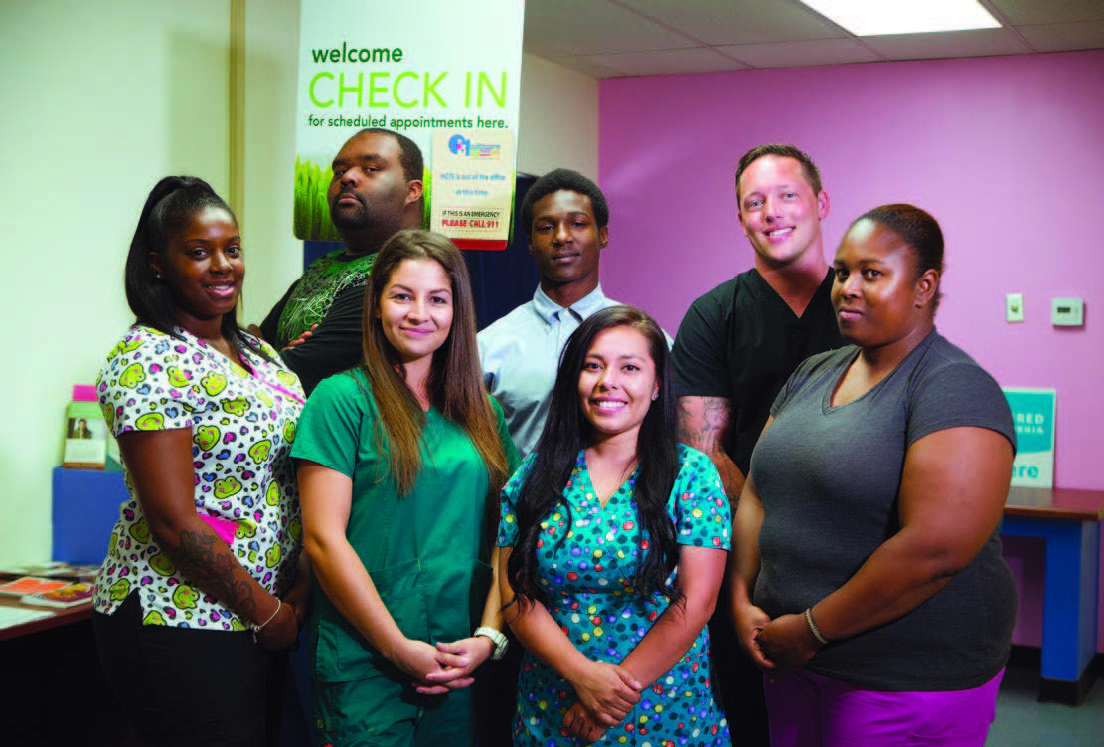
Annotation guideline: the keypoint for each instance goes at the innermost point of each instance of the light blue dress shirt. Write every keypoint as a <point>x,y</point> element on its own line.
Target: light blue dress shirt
<point>519,354</point>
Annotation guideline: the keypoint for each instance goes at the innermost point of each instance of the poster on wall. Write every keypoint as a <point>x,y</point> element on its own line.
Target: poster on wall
<point>1033,413</point>
<point>420,67</point>
<point>473,187</point>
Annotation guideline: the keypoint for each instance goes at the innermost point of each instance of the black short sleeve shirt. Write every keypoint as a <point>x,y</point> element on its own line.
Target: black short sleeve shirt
<point>741,341</point>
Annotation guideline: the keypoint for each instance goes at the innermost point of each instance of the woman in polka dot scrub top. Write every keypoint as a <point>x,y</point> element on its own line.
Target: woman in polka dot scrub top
<point>614,540</point>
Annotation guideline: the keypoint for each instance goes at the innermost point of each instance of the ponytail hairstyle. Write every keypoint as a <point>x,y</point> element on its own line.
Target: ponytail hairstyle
<point>170,206</point>
<point>454,385</point>
<point>567,431</point>
<point>920,231</point>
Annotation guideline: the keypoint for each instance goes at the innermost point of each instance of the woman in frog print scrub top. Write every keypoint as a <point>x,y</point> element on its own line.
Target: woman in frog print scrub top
<point>208,546</point>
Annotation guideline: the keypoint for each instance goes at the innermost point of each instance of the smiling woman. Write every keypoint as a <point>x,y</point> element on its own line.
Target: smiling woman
<point>208,546</point>
<point>609,515</point>
<point>400,463</point>
<point>202,267</point>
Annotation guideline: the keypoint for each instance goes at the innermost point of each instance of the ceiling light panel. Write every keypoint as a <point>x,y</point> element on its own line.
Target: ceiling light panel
<point>880,17</point>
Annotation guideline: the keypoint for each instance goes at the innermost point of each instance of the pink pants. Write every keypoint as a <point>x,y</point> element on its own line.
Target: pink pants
<point>808,710</point>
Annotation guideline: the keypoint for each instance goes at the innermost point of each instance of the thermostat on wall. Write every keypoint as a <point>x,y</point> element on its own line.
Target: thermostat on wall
<point>1067,312</point>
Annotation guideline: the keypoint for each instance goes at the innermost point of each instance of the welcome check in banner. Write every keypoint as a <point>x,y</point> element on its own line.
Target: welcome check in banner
<point>446,74</point>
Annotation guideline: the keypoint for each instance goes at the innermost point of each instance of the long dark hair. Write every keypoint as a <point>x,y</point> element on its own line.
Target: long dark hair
<point>171,205</point>
<point>461,399</point>
<point>567,431</point>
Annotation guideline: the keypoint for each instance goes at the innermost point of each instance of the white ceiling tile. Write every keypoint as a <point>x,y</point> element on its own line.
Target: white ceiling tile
<point>556,28</point>
<point>669,62</point>
<point>614,38</point>
<point>587,66</point>
<point>1065,37</point>
<point>801,54</point>
<point>1040,12</point>
<point>977,43</point>
<point>724,22</point>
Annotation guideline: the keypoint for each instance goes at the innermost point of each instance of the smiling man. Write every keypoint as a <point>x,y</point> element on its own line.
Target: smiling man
<point>566,215</point>
<point>376,191</point>
<point>739,343</point>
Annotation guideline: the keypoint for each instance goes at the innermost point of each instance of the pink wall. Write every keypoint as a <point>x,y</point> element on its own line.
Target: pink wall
<point>1007,153</point>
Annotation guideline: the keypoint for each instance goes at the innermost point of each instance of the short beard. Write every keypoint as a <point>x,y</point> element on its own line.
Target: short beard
<point>351,219</point>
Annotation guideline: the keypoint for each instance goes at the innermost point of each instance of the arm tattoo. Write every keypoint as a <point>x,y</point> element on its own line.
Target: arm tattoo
<point>703,425</point>
<point>211,565</point>
<point>702,422</point>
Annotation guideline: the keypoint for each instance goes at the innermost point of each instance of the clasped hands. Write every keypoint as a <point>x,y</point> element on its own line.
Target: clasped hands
<point>606,693</point>
<point>447,666</point>
<point>776,646</point>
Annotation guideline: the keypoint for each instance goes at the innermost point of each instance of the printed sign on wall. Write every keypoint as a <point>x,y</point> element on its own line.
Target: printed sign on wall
<point>473,187</point>
<point>1033,412</point>
<point>416,67</point>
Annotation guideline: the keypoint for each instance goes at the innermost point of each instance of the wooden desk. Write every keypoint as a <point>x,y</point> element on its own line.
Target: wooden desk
<point>54,691</point>
<point>1068,520</point>
<point>58,618</point>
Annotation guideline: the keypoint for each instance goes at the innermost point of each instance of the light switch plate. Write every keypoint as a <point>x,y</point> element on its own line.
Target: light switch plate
<point>1013,307</point>
<point>1067,312</point>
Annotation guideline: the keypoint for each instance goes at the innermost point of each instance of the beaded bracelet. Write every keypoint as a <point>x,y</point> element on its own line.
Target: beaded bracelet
<point>814,629</point>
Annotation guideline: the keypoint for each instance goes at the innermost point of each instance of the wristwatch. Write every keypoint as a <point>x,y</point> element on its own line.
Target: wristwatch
<point>500,641</point>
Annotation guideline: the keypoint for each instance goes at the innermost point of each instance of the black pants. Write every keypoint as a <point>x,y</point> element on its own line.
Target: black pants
<point>496,693</point>
<point>188,687</point>
<point>740,684</point>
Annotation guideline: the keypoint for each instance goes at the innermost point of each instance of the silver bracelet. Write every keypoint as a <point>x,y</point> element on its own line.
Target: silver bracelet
<point>813,627</point>
<point>258,628</point>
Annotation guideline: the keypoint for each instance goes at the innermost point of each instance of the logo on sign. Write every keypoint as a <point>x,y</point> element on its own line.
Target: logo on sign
<point>459,145</point>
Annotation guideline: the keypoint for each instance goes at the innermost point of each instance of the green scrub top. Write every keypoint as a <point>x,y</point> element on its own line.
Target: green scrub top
<point>427,551</point>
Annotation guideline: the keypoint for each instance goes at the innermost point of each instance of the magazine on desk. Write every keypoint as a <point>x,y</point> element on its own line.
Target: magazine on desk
<point>67,596</point>
<point>54,569</point>
<point>21,587</point>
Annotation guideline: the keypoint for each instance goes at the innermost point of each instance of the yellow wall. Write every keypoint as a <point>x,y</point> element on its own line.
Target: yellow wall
<point>100,100</point>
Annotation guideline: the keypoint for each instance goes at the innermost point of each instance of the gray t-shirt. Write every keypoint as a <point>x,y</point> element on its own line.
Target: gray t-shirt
<point>828,478</point>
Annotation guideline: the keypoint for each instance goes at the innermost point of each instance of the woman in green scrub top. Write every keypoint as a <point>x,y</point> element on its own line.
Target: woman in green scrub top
<point>400,464</point>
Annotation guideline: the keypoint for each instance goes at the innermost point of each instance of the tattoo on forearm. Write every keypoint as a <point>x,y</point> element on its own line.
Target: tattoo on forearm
<point>702,422</point>
<point>703,425</point>
<point>211,565</point>
<point>716,413</point>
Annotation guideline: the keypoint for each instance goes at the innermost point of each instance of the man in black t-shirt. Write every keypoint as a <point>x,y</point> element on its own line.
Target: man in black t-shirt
<point>735,349</point>
<point>376,191</point>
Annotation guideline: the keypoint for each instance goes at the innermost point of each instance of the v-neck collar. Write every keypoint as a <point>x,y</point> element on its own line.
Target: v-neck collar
<point>766,290</point>
<point>587,488</point>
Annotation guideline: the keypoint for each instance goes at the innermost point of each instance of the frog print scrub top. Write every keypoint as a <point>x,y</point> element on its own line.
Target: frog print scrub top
<point>587,579</point>
<point>242,428</point>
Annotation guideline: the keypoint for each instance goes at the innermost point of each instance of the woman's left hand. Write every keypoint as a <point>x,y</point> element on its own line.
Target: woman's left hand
<point>458,661</point>
<point>581,723</point>
<point>787,643</point>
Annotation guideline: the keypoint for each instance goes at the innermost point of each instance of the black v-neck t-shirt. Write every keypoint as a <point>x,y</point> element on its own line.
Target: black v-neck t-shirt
<point>741,341</point>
